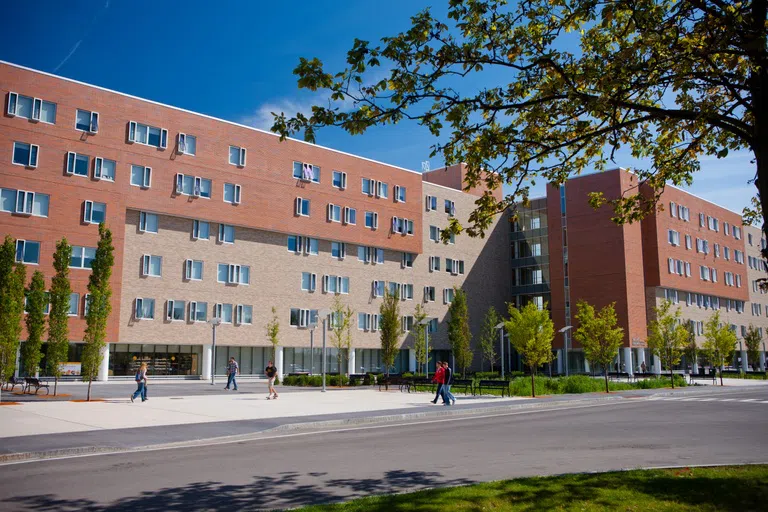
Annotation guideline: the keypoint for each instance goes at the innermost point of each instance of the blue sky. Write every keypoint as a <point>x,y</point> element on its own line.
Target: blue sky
<point>234,60</point>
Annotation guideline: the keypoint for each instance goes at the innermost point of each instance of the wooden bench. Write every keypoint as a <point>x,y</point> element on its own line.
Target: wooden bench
<point>712,375</point>
<point>618,375</point>
<point>392,380</point>
<point>355,379</point>
<point>11,384</point>
<point>503,385</point>
<point>465,384</point>
<point>36,383</point>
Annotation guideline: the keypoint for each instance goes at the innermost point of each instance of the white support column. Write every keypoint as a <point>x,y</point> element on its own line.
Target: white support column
<point>351,362</point>
<point>656,365</point>
<point>104,366</point>
<point>412,360</point>
<point>560,358</point>
<point>629,367</point>
<point>18,361</point>
<point>207,354</point>
<point>279,363</point>
<point>762,361</point>
<point>744,361</point>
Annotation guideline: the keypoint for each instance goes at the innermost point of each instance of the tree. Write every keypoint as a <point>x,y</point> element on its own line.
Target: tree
<point>459,335</point>
<point>273,332</point>
<point>488,336</point>
<point>666,81</point>
<point>420,337</point>
<point>691,350</point>
<point>668,337</point>
<point>58,318</point>
<point>752,340</point>
<point>389,331</point>
<point>12,281</point>
<point>99,306</point>
<point>598,334</point>
<point>341,330</point>
<point>531,332</point>
<point>719,342</point>
<point>36,301</point>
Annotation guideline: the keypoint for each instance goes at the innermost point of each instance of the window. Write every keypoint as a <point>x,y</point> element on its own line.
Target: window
<point>738,256</point>
<point>448,295</point>
<point>104,169</point>
<point>152,266</point>
<point>363,321</point>
<point>450,207</point>
<point>701,220</point>
<point>198,311</point>
<point>24,202</point>
<point>727,253</point>
<point>371,220</point>
<point>302,207</point>
<point>350,215</point>
<point>82,257</point>
<point>429,294</point>
<point>671,295</point>
<point>145,309</point>
<point>673,237</point>
<point>407,291</point>
<point>434,263</point>
<point>399,194</point>
<point>148,222</point>
<point>378,288</point>
<point>434,233</point>
<point>33,109</point>
<point>224,312</point>
<point>334,212</point>
<point>187,144</point>
<point>87,121</point>
<point>232,193</point>
<point>704,272</point>
<point>726,229</point>
<point>335,284</point>
<point>25,154</point>
<point>27,251</point>
<point>672,209</point>
<point>717,250</point>
<point>141,176</point>
<point>368,186</point>
<point>407,323</point>
<point>308,281</point>
<point>738,280</point>
<point>237,156</point>
<point>382,190</point>
<point>736,233</point>
<point>77,164</point>
<point>339,180</point>
<point>194,186</point>
<point>395,289</point>
<point>174,311</point>
<point>306,172</point>
<point>303,317</point>
<point>338,250</point>
<point>407,260</point>
<point>74,304</point>
<point>193,270</point>
<point>431,203</point>
<point>713,273</point>
<point>94,212</point>
<point>233,274</point>
<point>432,326</point>
<point>684,213</point>
<point>200,230</point>
<point>148,135</point>
<point>243,314</point>
<point>688,242</point>
<point>226,234</point>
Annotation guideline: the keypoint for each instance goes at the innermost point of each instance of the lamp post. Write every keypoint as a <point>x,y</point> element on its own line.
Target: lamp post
<point>324,314</point>
<point>565,330</point>
<point>215,322</point>
<point>312,347</point>
<point>500,327</point>
<point>425,323</point>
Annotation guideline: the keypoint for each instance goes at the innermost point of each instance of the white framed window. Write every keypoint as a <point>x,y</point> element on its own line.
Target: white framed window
<point>303,317</point>
<point>673,237</point>
<point>308,281</point>
<point>233,274</point>
<point>145,309</point>
<point>147,135</point>
<point>399,194</point>
<point>702,218</point>
<point>195,186</point>
<point>306,172</point>
<point>86,305</point>
<point>152,266</point>
<point>77,164</point>
<point>377,255</point>
<point>431,203</point>
<point>684,213</point>
<point>82,257</point>
<point>434,233</point>
<point>24,202</point>
<point>27,251</point>
<point>104,169</point>
<point>688,242</point>
<point>74,304</point>
<point>671,265</point>
<point>94,212</point>
<point>704,273</point>
<point>737,233</point>
<point>713,273</point>
<point>34,109</point>
<point>434,263</point>
<point>727,253</point>
<point>243,314</point>
<point>226,234</point>
<point>450,207</point>
<point>368,186</point>
<point>738,280</point>
<point>726,229</point>
<point>175,310</point>
<point>335,284</point>
<point>407,260</point>
<point>141,176</point>
<point>395,289</point>
<point>378,288</point>
<point>186,144</point>
<point>402,226</point>
<point>232,193</point>
<point>302,207</point>
<point>334,212</point>
<point>25,154</point>
<point>372,220</point>
<point>148,222</point>
<point>224,312</point>
<point>198,311</point>
<point>237,156</point>
<point>338,250</point>
<point>672,209</point>
<point>406,291</point>
<point>687,269</point>
<point>193,270</point>
<point>407,323</point>
<point>350,216</point>
<point>363,321</point>
<point>429,294</point>
<point>382,190</point>
<point>201,230</point>
<point>87,121</point>
<point>339,180</point>
<point>448,295</point>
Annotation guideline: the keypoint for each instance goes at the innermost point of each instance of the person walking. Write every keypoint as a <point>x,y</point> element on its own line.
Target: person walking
<point>141,383</point>
<point>643,368</point>
<point>448,398</point>
<point>438,378</point>
<point>232,370</point>
<point>271,373</point>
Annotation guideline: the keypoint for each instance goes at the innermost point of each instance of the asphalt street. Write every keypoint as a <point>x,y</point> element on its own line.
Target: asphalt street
<point>289,470</point>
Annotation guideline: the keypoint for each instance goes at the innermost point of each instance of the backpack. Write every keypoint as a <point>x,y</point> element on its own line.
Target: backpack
<point>138,376</point>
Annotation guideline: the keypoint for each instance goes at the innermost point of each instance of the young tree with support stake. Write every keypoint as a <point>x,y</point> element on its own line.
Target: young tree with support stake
<point>419,338</point>
<point>36,303</point>
<point>488,337</point>
<point>531,332</point>
<point>459,336</point>
<point>598,334</point>
<point>58,317</point>
<point>752,340</point>
<point>719,342</point>
<point>273,333</point>
<point>341,333</point>
<point>12,280</point>
<point>668,337</point>
<point>99,306</point>
<point>390,330</point>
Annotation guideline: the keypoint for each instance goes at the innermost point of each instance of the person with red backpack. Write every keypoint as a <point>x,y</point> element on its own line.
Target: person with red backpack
<point>439,379</point>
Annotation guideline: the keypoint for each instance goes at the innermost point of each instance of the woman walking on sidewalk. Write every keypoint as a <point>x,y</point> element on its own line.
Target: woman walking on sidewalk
<point>141,382</point>
<point>438,378</point>
<point>271,373</point>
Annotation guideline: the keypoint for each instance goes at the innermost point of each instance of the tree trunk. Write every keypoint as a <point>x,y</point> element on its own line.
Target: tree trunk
<point>721,372</point>
<point>671,373</point>
<point>605,373</point>
<point>533,383</point>
<point>55,384</point>
<point>88,398</point>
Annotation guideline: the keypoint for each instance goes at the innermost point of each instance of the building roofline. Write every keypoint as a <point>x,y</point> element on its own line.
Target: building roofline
<point>233,123</point>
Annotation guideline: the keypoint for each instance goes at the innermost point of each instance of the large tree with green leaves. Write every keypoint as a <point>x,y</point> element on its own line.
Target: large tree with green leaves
<point>390,329</point>
<point>12,282</point>
<point>531,332</point>
<point>341,331</point>
<point>37,300</point>
<point>549,88</point>
<point>273,333</point>
<point>668,338</point>
<point>489,337</point>
<point>57,348</point>
<point>719,342</point>
<point>420,338</point>
<point>598,334</point>
<point>459,335</point>
<point>752,341</point>
<point>99,306</point>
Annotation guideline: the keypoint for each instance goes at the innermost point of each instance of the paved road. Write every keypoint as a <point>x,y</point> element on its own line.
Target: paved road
<point>295,469</point>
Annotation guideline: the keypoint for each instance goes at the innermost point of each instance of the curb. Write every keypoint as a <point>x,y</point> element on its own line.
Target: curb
<point>20,457</point>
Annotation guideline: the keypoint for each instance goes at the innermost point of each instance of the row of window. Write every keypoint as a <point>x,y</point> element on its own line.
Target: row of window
<point>435,233</point>
<point>448,206</point>
<point>757,263</point>
<point>194,311</point>
<point>712,223</point>
<point>762,241</point>
<point>704,301</point>
<point>702,246</point>
<point>24,202</point>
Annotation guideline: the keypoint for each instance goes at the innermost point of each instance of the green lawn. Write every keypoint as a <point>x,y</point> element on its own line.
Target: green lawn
<point>732,488</point>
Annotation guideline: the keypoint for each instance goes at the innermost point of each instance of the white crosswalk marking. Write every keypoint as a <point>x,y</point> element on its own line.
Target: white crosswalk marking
<point>749,400</point>
<point>707,399</point>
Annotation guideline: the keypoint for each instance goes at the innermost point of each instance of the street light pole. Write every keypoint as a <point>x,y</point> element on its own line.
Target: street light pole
<point>500,327</point>
<point>312,349</point>
<point>215,321</point>
<point>425,323</point>
<point>324,314</point>
<point>564,331</point>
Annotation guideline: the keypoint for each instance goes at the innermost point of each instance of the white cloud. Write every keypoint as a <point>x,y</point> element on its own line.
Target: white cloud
<point>263,119</point>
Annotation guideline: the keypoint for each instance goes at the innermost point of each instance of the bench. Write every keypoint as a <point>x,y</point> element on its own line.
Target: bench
<point>37,384</point>
<point>618,375</point>
<point>419,381</point>
<point>392,380</point>
<point>11,384</point>
<point>463,384</point>
<point>356,379</point>
<point>712,375</point>
<point>503,385</point>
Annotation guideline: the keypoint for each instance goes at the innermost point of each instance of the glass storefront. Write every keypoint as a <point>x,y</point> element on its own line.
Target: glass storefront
<point>251,360</point>
<point>167,360</point>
